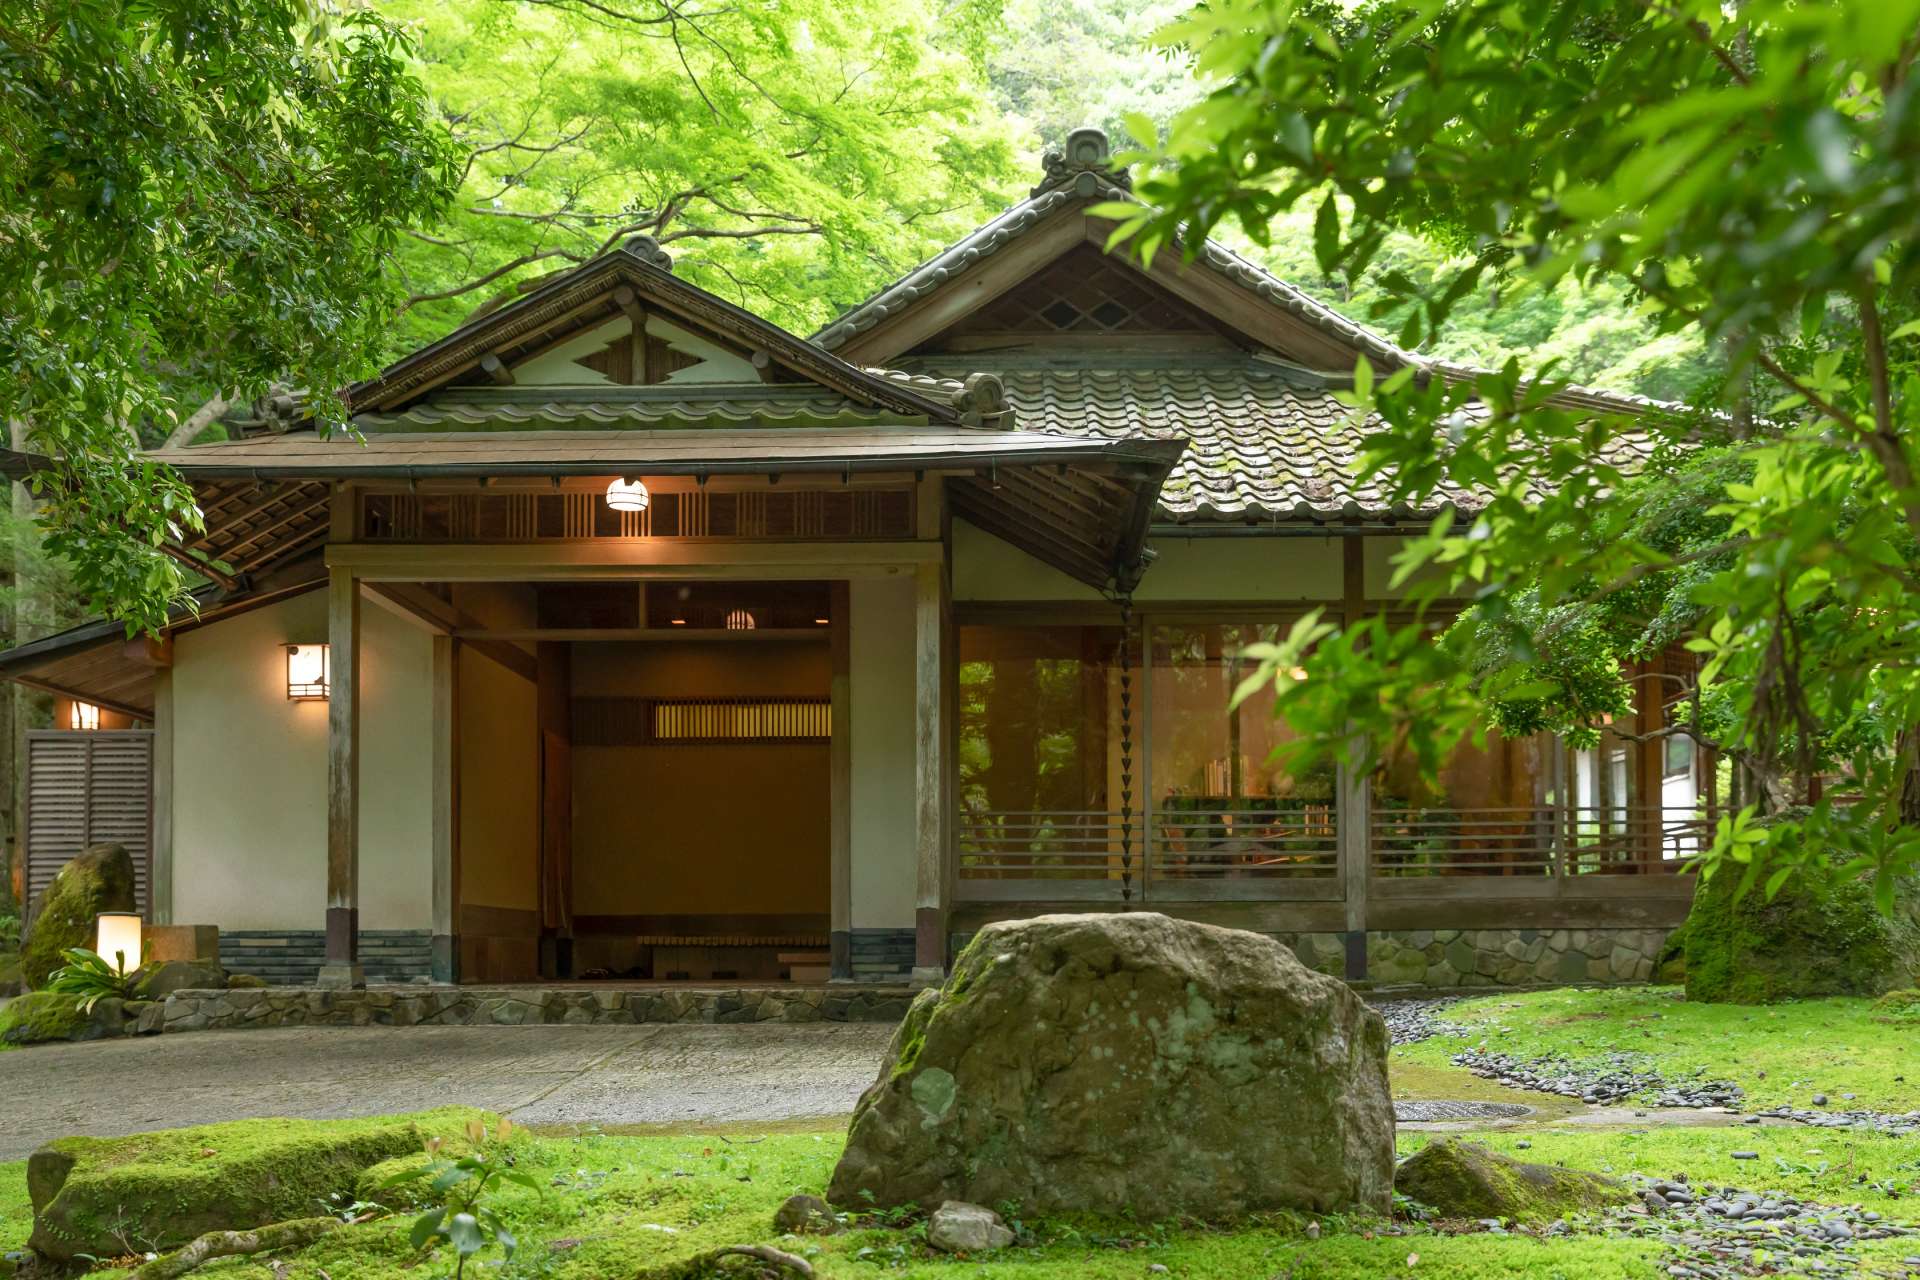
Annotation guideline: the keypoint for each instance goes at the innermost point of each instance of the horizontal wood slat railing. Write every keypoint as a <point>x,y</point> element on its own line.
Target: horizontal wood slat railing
<point>1544,840</point>
<point>1290,850</point>
<point>1214,852</point>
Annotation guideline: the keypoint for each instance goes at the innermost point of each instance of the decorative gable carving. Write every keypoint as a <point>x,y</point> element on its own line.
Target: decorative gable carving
<point>622,363</point>
<point>1081,295</point>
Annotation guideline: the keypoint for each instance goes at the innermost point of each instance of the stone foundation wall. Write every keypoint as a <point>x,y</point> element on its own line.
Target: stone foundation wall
<point>462,1006</point>
<point>1449,958</point>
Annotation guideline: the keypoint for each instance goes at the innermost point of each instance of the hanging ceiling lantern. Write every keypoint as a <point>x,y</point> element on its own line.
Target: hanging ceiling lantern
<point>628,495</point>
<point>740,620</point>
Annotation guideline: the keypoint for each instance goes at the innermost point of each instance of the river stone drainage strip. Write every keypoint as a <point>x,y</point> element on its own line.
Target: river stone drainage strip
<point>1431,1112</point>
<point>1723,1232</point>
<point>1614,1079</point>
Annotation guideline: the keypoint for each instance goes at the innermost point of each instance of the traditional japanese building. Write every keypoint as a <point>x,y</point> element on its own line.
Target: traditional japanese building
<point>636,636</point>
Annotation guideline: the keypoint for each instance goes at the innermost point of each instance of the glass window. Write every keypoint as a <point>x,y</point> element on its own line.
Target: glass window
<point>1224,805</point>
<point>1040,751</point>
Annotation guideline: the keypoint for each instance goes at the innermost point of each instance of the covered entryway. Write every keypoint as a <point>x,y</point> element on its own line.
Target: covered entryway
<point>646,792</point>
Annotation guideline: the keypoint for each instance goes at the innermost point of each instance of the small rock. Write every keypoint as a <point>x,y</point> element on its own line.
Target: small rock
<point>1313,1231</point>
<point>959,1227</point>
<point>1523,1145</point>
<point>1746,1155</point>
<point>1819,1099</point>
<point>1655,1202</point>
<point>806,1215</point>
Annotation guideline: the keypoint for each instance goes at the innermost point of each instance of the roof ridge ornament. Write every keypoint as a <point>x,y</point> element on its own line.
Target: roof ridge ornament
<point>648,250</point>
<point>1087,153</point>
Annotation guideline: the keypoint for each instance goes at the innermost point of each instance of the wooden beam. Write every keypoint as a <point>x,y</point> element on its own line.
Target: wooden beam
<point>109,704</point>
<point>553,707</point>
<point>961,296</point>
<point>496,368</point>
<point>629,302</point>
<point>840,781</point>
<point>160,863</point>
<point>149,651</point>
<point>224,580</point>
<point>342,967</point>
<point>1352,788</point>
<point>631,558</point>
<point>445,797</point>
<point>929,775</point>
<point>442,617</point>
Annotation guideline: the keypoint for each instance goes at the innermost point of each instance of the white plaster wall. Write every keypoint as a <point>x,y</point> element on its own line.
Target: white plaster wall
<point>1276,570</point>
<point>250,774</point>
<point>1266,570</point>
<point>880,707</point>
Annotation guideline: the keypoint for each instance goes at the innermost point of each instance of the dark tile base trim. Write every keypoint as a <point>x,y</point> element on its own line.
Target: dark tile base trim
<point>293,957</point>
<point>879,954</point>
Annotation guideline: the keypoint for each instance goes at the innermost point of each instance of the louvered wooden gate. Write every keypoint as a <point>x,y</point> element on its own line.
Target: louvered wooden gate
<point>87,788</point>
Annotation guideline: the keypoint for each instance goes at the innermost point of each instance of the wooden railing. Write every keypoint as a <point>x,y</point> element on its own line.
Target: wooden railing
<point>1542,840</point>
<point>1281,850</point>
<point>1291,851</point>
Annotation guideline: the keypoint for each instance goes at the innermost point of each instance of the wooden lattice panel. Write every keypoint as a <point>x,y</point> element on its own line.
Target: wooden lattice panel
<point>750,516</point>
<point>1084,292</point>
<point>88,788</point>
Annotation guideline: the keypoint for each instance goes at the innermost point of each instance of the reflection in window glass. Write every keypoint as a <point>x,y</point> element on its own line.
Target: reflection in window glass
<point>1224,806</point>
<point>1039,751</point>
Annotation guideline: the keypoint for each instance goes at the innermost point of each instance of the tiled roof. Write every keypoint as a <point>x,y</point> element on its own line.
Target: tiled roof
<point>694,405</point>
<point>1267,442</point>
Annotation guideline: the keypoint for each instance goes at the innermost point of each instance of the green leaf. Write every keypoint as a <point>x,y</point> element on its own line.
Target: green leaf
<point>463,1232</point>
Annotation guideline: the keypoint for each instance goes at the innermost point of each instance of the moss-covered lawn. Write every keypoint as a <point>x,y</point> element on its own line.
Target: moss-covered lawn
<point>1779,1054</point>
<point>622,1206</point>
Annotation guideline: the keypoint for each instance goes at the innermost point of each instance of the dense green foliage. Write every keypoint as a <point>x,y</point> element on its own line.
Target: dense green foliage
<point>1740,173</point>
<point>1809,939</point>
<point>197,194</point>
<point>792,158</point>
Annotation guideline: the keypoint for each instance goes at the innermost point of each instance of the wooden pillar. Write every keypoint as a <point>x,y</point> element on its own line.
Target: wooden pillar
<point>160,877</point>
<point>554,712</point>
<point>446,744</point>
<point>840,783</point>
<point>1352,789</point>
<point>929,774</point>
<point>342,967</point>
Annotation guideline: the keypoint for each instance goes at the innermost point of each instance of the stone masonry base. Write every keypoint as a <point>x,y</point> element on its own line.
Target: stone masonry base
<point>1453,958</point>
<point>409,1006</point>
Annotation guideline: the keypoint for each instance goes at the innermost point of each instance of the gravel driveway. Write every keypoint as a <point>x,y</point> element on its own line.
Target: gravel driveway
<point>656,1074</point>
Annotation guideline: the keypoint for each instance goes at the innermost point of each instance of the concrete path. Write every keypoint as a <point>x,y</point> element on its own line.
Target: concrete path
<point>592,1075</point>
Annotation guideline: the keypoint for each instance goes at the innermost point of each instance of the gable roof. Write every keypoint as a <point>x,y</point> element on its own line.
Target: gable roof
<point>1269,440</point>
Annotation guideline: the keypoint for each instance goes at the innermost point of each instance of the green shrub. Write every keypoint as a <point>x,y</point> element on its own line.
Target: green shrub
<point>1808,940</point>
<point>1898,1006</point>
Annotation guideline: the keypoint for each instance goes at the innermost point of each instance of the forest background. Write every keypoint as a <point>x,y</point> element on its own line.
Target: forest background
<point>795,157</point>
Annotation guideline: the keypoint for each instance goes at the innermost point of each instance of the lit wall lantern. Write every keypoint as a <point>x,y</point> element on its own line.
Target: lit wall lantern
<point>740,620</point>
<point>308,670</point>
<point>85,716</point>
<point>117,940</point>
<point>628,495</point>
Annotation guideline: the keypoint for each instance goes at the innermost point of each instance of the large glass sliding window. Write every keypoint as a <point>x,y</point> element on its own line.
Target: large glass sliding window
<point>1227,806</point>
<point>1040,753</point>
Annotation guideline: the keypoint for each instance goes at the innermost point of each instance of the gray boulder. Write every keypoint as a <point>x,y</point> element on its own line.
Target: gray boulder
<point>806,1215</point>
<point>160,980</point>
<point>1128,1063</point>
<point>958,1227</point>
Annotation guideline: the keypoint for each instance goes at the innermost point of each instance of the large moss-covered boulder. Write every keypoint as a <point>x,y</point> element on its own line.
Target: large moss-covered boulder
<point>1128,1064</point>
<point>40,1017</point>
<point>156,1191</point>
<point>1808,940</point>
<point>100,879</point>
<point>1466,1180</point>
